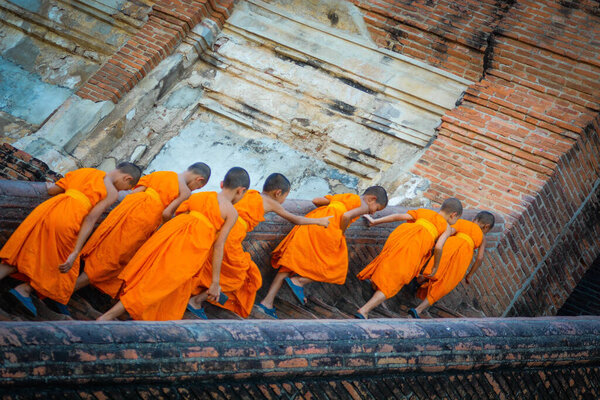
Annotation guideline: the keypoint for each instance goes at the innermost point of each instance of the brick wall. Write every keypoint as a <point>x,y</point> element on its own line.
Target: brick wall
<point>16,164</point>
<point>452,35</point>
<point>167,25</point>
<point>523,142</point>
<point>490,358</point>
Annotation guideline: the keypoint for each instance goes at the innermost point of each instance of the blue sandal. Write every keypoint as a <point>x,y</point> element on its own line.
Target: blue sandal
<point>413,313</point>
<point>297,290</point>
<point>269,311</point>
<point>25,301</point>
<point>358,315</point>
<point>61,308</point>
<point>198,312</point>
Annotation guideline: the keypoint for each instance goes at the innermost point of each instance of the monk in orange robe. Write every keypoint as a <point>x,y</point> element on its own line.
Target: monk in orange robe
<point>45,248</point>
<point>457,255</point>
<point>406,250</point>
<point>240,277</point>
<point>159,279</point>
<point>314,253</point>
<point>132,222</point>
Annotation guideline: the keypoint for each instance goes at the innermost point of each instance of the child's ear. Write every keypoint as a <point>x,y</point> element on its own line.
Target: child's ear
<point>278,193</point>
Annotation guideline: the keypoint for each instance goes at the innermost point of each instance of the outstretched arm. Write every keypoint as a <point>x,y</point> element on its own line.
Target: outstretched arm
<point>271,205</point>
<point>439,247</point>
<point>388,218</point>
<point>86,228</point>
<point>184,194</point>
<point>230,217</point>
<point>478,261</point>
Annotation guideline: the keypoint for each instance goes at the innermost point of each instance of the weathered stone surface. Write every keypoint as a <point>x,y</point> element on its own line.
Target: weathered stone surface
<point>452,358</point>
<point>221,149</point>
<point>64,130</point>
<point>258,87</point>
<point>26,96</point>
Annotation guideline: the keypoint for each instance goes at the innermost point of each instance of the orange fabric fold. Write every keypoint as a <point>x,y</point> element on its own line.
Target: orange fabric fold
<point>159,279</point>
<point>404,253</point>
<point>47,236</point>
<point>316,252</point>
<point>455,261</point>
<point>125,229</point>
<point>240,277</point>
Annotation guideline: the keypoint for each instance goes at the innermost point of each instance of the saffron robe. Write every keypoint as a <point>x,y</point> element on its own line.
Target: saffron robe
<point>158,281</point>
<point>456,258</point>
<point>405,252</point>
<point>240,277</point>
<point>316,252</point>
<point>125,229</point>
<point>48,235</point>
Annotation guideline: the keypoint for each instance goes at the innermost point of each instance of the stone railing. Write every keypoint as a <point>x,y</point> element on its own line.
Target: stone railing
<point>473,358</point>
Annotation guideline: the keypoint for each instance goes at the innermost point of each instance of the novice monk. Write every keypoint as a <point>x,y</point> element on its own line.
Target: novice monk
<point>45,247</point>
<point>132,222</point>
<point>458,253</point>
<point>158,281</point>
<point>405,250</point>
<point>240,277</point>
<point>314,253</point>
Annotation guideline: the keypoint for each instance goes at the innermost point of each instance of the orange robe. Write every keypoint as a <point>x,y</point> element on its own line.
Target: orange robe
<point>47,236</point>
<point>456,258</point>
<point>316,252</point>
<point>240,277</point>
<point>405,252</point>
<point>126,228</point>
<point>158,281</point>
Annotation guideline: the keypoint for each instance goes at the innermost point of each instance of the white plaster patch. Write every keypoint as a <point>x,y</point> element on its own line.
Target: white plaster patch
<point>222,149</point>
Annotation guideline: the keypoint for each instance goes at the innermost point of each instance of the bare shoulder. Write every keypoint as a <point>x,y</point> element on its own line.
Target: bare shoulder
<point>269,204</point>
<point>226,207</point>
<point>111,190</point>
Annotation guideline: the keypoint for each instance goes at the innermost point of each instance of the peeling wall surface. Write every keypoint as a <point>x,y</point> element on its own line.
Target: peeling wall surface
<point>326,94</point>
<point>48,49</point>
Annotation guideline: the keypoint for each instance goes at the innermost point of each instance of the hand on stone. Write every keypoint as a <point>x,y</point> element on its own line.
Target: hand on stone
<point>370,219</point>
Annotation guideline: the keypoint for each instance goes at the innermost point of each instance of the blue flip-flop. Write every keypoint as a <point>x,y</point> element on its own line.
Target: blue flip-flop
<point>25,301</point>
<point>198,312</point>
<point>269,311</point>
<point>413,313</point>
<point>62,309</point>
<point>222,298</point>
<point>358,315</point>
<point>297,290</point>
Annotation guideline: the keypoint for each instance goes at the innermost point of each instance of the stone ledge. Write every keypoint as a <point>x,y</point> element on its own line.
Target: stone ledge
<point>59,353</point>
